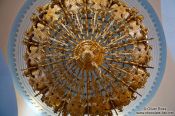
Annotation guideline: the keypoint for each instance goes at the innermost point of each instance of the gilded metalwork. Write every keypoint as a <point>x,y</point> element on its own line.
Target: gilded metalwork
<point>87,56</point>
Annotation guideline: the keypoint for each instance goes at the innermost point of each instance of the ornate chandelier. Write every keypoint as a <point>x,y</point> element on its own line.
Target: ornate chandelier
<point>87,56</point>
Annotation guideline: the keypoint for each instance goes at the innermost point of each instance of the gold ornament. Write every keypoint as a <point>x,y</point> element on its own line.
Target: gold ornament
<point>87,56</point>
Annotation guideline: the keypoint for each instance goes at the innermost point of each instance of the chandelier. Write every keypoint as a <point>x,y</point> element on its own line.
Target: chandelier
<point>87,57</point>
